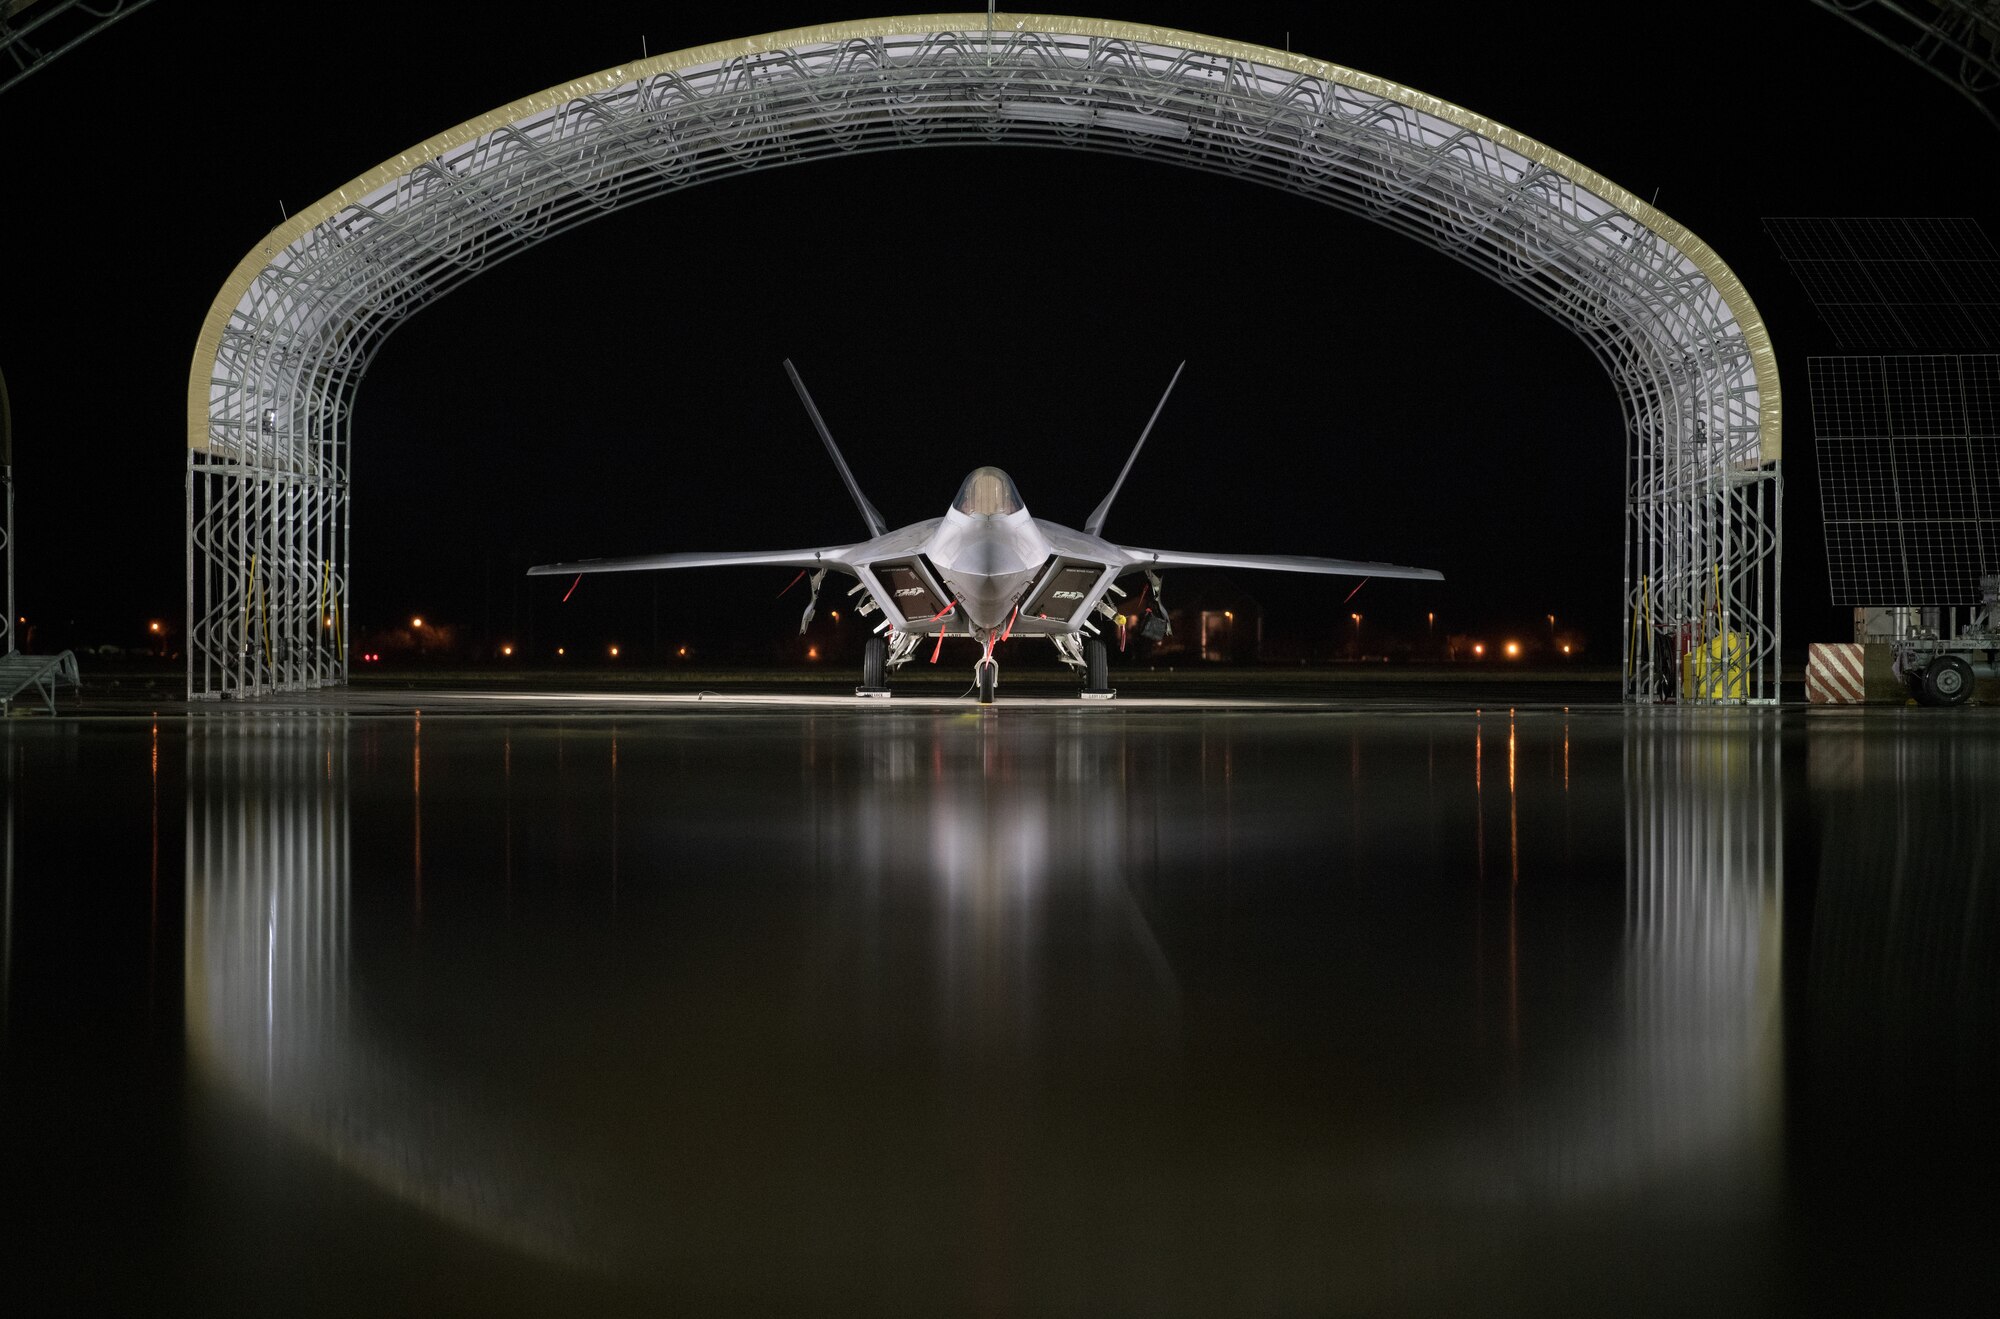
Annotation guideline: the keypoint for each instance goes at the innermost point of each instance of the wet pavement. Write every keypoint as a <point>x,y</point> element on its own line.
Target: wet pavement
<point>821,1006</point>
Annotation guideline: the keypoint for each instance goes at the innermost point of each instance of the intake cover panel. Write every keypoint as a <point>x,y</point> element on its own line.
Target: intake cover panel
<point>910,589</point>
<point>1065,591</point>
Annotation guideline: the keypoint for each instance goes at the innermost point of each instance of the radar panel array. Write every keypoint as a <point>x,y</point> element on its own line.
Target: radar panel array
<point>1909,472</point>
<point>1900,284</point>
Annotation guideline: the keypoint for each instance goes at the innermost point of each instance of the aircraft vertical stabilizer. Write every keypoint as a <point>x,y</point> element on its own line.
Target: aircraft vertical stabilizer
<point>876,526</point>
<point>1095,526</point>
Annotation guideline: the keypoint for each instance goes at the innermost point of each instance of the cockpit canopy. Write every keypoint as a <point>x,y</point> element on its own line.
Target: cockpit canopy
<point>988,492</point>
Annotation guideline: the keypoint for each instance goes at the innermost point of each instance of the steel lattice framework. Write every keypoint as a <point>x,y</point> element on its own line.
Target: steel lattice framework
<point>292,332</point>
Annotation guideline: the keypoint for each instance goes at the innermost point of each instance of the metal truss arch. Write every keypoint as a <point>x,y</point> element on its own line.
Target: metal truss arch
<point>290,335</point>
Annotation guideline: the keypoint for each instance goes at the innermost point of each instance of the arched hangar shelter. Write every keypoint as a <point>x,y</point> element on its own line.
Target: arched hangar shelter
<point>285,346</point>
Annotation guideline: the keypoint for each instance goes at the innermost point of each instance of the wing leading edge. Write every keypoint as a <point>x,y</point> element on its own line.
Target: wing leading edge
<point>1142,558</point>
<point>830,556</point>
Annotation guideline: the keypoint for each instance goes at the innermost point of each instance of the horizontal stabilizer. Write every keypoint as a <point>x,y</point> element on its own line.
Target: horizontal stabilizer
<point>827,557</point>
<point>1277,563</point>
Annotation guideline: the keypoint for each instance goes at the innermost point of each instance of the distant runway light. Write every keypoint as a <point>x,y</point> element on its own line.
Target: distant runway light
<point>506,650</point>
<point>614,652</point>
<point>150,627</point>
<point>684,651</point>
<point>1478,648</point>
<point>1513,650</point>
<point>416,622</point>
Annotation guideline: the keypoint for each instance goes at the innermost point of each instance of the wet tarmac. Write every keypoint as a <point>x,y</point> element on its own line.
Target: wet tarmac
<point>454,1004</point>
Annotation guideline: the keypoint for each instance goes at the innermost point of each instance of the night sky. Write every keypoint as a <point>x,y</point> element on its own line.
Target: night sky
<point>618,390</point>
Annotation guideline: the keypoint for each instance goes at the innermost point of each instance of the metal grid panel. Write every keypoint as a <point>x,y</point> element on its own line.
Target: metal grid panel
<point>1896,284</point>
<point>1909,459</point>
<point>267,516</point>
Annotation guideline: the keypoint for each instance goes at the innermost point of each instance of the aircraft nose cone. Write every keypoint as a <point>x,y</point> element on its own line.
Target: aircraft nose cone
<point>988,562</point>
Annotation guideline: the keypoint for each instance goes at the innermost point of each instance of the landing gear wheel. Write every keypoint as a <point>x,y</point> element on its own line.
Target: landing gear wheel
<point>1948,680</point>
<point>1097,680</point>
<point>874,668</point>
<point>1920,688</point>
<point>986,674</point>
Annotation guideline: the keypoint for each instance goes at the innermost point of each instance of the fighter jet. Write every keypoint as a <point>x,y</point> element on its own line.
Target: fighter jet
<point>988,571</point>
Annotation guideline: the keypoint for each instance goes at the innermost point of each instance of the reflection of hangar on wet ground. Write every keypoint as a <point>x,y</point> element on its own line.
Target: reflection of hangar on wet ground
<point>293,330</point>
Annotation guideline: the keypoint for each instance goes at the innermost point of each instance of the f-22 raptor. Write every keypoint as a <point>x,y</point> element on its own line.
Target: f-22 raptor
<point>987,571</point>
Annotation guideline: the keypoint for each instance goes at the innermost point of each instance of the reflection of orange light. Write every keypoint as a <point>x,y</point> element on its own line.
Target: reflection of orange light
<point>812,652</point>
<point>1479,648</point>
<point>1513,650</point>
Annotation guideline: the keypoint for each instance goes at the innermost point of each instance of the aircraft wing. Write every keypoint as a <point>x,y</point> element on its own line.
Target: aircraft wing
<point>1276,562</point>
<point>830,556</point>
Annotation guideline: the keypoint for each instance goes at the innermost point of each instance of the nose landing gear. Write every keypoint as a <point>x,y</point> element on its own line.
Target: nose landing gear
<point>986,674</point>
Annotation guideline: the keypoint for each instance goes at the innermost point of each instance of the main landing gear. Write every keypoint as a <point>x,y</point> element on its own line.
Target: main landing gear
<point>1097,682</point>
<point>874,669</point>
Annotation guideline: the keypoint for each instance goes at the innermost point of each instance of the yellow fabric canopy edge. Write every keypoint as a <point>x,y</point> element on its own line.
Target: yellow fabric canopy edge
<point>1763,358</point>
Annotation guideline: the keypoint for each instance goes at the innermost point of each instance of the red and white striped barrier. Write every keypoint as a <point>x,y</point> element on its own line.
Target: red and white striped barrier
<point>1833,673</point>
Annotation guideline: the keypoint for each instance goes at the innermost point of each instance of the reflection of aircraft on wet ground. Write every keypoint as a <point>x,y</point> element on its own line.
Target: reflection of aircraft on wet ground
<point>988,571</point>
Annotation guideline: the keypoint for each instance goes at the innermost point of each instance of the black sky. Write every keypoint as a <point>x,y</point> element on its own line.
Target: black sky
<point>618,390</point>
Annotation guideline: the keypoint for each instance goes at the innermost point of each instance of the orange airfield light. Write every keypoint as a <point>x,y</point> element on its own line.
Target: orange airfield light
<point>1513,650</point>
<point>1478,648</point>
<point>506,650</point>
<point>416,622</point>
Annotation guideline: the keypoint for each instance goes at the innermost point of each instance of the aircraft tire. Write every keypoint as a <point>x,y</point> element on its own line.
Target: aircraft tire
<point>1097,676</point>
<point>875,663</point>
<point>987,674</point>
